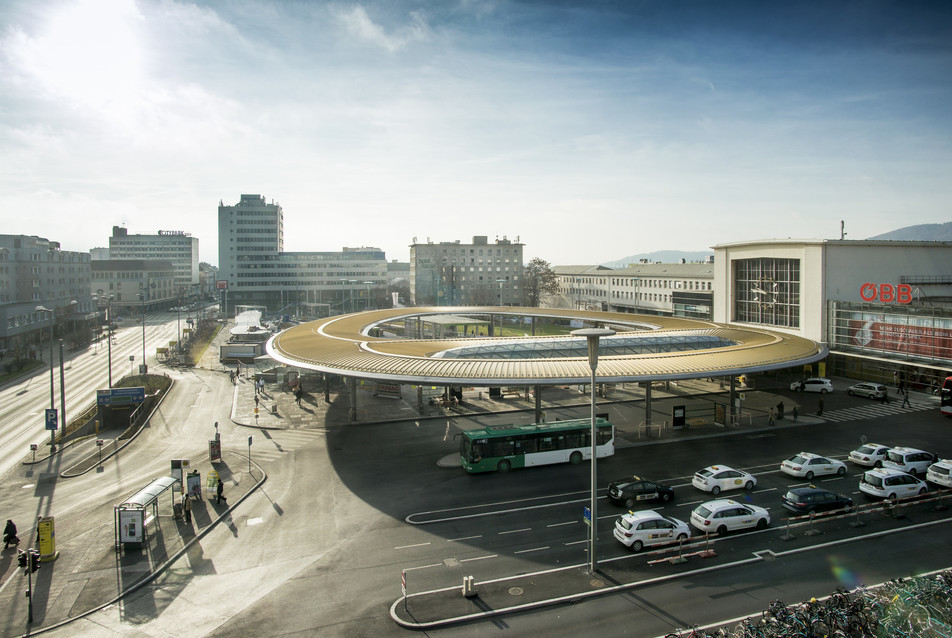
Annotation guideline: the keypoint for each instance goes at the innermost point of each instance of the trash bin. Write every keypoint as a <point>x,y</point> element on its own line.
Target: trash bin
<point>177,510</point>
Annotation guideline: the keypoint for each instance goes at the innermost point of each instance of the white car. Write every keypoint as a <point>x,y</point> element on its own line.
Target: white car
<point>884,482</point>
<point>724,515</point>
<point>814,384</point>
<point>909,459</point>
<point>639,529</point>
<point>940,473</point>
<point>869,454</point>
<point>715,478</point>
<point>807,465</point>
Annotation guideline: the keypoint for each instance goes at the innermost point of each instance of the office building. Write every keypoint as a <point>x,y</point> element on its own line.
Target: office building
<point>175,246</point>
<point>476,274</point>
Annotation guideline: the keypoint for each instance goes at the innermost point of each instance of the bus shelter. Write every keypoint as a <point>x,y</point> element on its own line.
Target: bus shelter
<point>132,516</point>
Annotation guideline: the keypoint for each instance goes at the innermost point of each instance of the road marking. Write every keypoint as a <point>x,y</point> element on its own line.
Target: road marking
<point>465,538</point>
<point>560,524</point>
<point>534,549</point>
<point>516,531</point>
<point>576,542</point>
<point>409,546</point>
<point>466,560</point>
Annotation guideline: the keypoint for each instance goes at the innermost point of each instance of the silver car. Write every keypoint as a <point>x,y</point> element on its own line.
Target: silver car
<point>869,390</point>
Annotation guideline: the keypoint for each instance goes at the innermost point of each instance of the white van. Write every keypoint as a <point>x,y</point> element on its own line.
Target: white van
<point>909,460</point>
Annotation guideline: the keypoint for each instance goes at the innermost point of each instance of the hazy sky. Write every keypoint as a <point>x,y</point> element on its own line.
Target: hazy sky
<point>590,130</point>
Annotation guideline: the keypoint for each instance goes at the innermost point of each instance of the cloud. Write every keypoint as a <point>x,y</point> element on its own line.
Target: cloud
<point>360,25</point>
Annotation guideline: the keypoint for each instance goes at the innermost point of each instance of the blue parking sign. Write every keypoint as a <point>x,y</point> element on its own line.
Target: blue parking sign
<point>51,418</point>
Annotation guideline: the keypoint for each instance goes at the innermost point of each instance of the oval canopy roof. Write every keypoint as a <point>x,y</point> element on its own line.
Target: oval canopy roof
<point>645,348</point>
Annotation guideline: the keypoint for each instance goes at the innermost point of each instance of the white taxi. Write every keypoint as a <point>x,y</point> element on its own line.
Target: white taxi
<point>940,473</point>
<point>884,482</point>
<point>807,465</point>
<point>724,515</point>
<point>869,454</point>
<point>715,478</point>
<point>639,529</point>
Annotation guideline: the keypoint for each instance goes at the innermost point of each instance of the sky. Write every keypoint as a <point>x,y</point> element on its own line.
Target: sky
<point>588,130</point>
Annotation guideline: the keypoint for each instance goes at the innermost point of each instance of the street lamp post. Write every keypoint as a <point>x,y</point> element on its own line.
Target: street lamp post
<point>368,284</point>
<point>52,312</point>
<point>593,335</point>
<point>142,368</point>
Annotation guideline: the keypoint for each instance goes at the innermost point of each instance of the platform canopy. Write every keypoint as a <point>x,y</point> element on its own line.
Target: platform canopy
<point>644,348</point>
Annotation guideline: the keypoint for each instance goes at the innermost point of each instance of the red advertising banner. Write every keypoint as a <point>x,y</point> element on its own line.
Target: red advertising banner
<point>925,341</point>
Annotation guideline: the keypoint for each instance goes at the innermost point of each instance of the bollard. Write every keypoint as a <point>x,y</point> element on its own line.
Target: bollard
<point>676,560</point>
<point>939,505</point>
<point>469,586</point>
<point>787,536</point>
<point>811,531</point>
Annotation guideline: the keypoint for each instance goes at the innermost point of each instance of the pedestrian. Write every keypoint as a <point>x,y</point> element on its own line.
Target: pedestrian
<point>780,411</point>
<point>256,401</point>
<point>256,388</point>
<point>902,387</point>
<point>770,416</point>
<point>298,394</point>
<point>905,400</point>
<point>187,508</point>
<point>819,411</point>
<point>885,398</point>
<point>794,412</point>
<point>10,535</point>
<point>220,491</point>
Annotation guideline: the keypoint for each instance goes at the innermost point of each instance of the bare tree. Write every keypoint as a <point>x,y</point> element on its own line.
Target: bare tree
<point>538,282</point>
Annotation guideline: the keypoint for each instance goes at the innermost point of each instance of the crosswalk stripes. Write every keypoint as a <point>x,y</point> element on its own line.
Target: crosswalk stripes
<point>874,411</point>
<point>278,443</point>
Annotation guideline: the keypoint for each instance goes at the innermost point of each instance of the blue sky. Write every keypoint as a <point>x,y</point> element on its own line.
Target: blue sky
<point>590,130</point>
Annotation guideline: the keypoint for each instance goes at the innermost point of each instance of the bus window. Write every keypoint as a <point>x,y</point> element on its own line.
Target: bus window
<point>546,443</point>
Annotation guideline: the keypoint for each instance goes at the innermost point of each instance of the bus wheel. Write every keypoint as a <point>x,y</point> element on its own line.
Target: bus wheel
<point>503,466</point>
<point>575,458</point>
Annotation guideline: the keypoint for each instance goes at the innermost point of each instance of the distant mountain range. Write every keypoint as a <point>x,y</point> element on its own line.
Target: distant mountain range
<point>920,232</point>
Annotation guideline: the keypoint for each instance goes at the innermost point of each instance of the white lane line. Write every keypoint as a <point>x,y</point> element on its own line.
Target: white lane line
<point>576,542</point>
<point>409,546</point>
<point>466,560</point>
<point>560,524</point>
<point>516,531</point>
<point>465,538</point>
<point>534,549</point>
<point>424,567</point>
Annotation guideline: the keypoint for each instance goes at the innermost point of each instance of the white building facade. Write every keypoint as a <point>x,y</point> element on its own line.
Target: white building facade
<point>883,308</point>
<point>175,246</point>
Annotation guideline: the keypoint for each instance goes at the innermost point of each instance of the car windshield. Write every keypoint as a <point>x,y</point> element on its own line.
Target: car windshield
<point>874,480</point>
<point>896,457</point>
<point>867,449</point>
<point>703,512</point>
<point>798,460</point>
<point>793,496</point>
<point>624,522</point>
<point>938,469</point>
<point>704,473</point>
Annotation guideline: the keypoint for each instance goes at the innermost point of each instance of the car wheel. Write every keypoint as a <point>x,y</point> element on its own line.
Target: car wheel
<point>575,458</point>
<point>504,466</point>
<point>749,485</point>
<point>878,464</point>
<point>823,390</point>
<point>666,497</point>
<point>636,546</point>
<point>682,538</point>
<point>715,490</point>
<point>841,471</point>
<point>849,392</point>
<point>808,476</point>
<point>922,491</point>
<point>913,471</point>
<point>762,523</point>
<point>629,503</point>
<point>893,498</point>
<point>722,530</point>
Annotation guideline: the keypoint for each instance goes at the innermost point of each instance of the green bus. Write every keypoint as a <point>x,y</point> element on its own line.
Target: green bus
<point>503,447</point>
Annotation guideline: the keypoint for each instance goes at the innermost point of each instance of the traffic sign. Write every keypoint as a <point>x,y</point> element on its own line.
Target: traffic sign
<point>587,515</point>
<point>51,418</point>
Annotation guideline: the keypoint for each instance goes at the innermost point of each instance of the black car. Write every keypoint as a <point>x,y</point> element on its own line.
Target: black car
<point>803,500</point>
<point>630,491</point>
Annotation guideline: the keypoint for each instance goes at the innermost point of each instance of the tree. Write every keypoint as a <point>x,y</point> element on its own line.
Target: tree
<point>538,282</point>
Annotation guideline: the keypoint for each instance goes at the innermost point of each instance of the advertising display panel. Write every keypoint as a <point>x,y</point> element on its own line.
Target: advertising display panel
<point>131,526</point>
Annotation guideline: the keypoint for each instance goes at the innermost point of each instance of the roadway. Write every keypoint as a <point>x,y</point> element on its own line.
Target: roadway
<point>320,549</point>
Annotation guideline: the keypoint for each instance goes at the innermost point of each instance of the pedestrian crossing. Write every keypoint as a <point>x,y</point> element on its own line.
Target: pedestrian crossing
<point>270,445</point>
<point>874,411</point>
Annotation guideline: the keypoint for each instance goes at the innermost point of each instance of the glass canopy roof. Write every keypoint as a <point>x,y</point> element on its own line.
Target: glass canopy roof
<point>567,348</point>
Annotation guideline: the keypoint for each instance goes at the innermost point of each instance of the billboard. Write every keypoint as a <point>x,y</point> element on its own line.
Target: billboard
<point>923,341</point>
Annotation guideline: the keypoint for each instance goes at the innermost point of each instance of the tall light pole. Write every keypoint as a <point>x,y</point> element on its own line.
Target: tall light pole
<point>593,335</point>
<point>142,368</point>
<point>368,284</point>
<point>108,331</point>
<point>52,390</point>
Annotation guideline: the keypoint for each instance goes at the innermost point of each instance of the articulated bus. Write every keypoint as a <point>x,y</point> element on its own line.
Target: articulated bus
<point>945,397</point>
<point>502,447</point>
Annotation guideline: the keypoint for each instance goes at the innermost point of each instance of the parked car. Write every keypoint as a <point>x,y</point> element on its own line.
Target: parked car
<point>803,500</point>
<point>715,478</point>
<point>639,529</point>
<point>869,454</point>
<point>724,515</point>
<point>630,491</point>
<point>813,384</point>
<point>808,465</point>
<point>869,390</point>
<point>884,482</point>
<point>909,459</point>
<point>940,473</point>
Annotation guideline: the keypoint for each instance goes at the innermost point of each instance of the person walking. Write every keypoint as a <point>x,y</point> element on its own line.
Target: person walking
<point>770,416</point>
<point>220,491</point>
<point>187,509</point>
<point>819,411</point>
<point>794,411</point>
<point>298,394</point>
<point>10,535</point>
<point>256,401</point>
<point>905,399</point>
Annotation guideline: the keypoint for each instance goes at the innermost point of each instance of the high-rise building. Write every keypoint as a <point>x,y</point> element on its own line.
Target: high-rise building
<point>176,246</point>
<point>255,271</point>
<point>477,274</point>
<point>36,273</point>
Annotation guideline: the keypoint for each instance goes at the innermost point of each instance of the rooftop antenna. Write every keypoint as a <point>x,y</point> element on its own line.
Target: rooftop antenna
<point>842,229</point>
